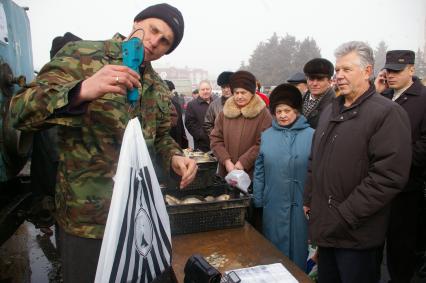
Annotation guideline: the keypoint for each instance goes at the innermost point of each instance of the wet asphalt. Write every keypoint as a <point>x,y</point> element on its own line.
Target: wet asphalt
<point>29,256</point>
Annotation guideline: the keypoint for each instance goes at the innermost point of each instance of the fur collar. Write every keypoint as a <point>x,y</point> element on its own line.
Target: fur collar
<point>251,110</point>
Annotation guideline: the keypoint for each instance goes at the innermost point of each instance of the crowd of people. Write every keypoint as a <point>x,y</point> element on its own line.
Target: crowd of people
<point>336,158</point>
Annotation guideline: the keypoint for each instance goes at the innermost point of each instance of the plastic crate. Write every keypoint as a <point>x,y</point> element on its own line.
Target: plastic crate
<point>207,216</point>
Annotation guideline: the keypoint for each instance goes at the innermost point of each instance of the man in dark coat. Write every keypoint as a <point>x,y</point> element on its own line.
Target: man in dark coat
<point>318,72</point>
<point>194,117</point>
<point>405,222</point>
<point>217,105</point>
<point>360,160</point>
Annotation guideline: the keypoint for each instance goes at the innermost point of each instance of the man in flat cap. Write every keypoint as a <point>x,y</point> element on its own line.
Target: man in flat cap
<point>318,72</point>
<point>217,105</point>
<point>83,91</point>
<point>404,232</point>
<point>299,80</point>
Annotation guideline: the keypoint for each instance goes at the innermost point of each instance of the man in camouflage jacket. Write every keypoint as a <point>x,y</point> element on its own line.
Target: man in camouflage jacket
<point>83,90</point>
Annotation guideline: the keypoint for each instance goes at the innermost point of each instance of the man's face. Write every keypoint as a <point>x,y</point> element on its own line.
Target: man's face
<point>157,37</point>
<point>400,79</point>
<point>351,78</point>
<point>205,91</point>
<point>318,85</point>
<point>226,91</point>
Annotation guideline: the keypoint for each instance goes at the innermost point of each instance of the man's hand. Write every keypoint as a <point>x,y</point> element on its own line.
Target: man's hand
<point>381,81</point>
<point>110,78</point>
<point>185,167</point>
<point>229,165</point>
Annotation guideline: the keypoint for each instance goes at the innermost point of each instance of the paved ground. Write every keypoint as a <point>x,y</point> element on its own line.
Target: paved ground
<point>29,256</point>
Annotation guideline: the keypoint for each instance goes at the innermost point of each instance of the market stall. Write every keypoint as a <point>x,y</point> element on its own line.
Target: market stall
<point>230,249</point>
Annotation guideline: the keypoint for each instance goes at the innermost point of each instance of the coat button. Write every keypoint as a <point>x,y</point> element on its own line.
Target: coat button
<point>341,117</point>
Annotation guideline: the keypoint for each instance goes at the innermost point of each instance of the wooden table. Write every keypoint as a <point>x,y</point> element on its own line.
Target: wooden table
<point>238,247</point>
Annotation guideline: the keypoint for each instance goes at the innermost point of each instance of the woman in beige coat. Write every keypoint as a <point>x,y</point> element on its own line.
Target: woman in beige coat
<point>235,138</point>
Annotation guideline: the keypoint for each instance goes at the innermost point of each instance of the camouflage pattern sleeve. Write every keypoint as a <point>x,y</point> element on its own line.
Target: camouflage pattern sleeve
<point>32,108</point>
<point>164,144</point>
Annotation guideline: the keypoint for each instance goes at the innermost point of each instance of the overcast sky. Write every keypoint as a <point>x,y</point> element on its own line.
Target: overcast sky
<point>220,34</point>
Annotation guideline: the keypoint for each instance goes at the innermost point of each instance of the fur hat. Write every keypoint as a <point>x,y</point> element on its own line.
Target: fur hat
<point>223,78</point>
<point>285,94</point>
<point>319,67</point>
<point>170,15</point>
<point>243,79</point>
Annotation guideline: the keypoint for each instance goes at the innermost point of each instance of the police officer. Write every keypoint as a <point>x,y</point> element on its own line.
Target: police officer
<point>404,237</point>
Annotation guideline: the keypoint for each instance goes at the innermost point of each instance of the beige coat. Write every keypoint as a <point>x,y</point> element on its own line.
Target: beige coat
<point>236,134</point>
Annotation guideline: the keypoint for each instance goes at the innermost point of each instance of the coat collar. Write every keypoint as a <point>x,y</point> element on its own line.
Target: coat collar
<point>200,101</point>
<point>113,49</point>
<point>300,124</point>
<point>251,110</point>
<point>414,89</point>
<point>351,111</point>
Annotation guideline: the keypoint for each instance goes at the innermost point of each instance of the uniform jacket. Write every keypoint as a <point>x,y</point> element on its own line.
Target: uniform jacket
<point>315,114</point>
<point>236,134</point>
<point>194,120</point>
<point>413,100</point>
<point>89,139</point>
<point>212,112</point>
<point>278,183</point>
<point>360,161</point>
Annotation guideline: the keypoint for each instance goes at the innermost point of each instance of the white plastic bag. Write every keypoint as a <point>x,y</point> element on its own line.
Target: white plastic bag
<point>239,179</point>
<point>137,244</point>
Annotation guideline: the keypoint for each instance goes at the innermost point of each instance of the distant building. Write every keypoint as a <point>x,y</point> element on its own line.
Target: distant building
<point>185,80</point>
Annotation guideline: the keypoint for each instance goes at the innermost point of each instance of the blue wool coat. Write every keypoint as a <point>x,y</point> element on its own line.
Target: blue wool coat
<point>278,182</point>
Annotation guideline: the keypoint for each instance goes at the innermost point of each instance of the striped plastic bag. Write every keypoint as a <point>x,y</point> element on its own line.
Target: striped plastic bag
<point>136,246</point>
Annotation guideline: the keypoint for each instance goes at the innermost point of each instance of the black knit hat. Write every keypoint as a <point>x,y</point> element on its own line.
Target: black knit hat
<point>243,79</point>
<point>60,41</point>
<point>223,78</point>
<point>170,15</point>
<point>285,94</point>
<point>319,67</point>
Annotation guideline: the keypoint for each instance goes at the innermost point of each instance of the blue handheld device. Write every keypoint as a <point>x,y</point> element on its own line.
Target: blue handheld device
<point>133,53</point>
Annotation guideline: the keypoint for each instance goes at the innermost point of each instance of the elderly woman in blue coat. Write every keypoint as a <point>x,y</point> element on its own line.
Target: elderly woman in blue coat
<point>280,172</point>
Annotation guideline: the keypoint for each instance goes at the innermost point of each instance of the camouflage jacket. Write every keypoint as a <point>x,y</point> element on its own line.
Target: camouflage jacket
<point>89,143</point>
